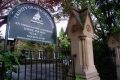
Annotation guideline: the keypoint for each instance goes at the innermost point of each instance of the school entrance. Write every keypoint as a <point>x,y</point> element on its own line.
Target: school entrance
<point>31,22</point>
<point>39,67</point>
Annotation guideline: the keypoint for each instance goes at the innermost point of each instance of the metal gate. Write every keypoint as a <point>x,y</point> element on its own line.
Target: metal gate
<point>38,67</point>
<point>1,70</point>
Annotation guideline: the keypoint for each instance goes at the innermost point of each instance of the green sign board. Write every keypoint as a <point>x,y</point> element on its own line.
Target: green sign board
<point>30,21</point>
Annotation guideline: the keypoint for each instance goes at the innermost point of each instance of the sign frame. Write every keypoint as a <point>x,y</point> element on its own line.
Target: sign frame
<point>48,22</point>
<point>40,7</point>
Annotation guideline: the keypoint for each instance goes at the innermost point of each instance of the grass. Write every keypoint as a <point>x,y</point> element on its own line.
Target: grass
<point>79,77</point>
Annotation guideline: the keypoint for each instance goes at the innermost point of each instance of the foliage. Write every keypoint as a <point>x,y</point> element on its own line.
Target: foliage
<point>79,77</point>
<point>34,46</point>
<point>106,14</point>
<point>49,49</point>
<point>1,44</point>
<point>7,5</point>
<point>28,45</point>
<point>9,59</point>
<point>63,44</point>
<point>63,39</point>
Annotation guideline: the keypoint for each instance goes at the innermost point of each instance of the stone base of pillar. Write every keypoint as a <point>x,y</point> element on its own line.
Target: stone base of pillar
<point>118,72</point>
<point>91,76</point>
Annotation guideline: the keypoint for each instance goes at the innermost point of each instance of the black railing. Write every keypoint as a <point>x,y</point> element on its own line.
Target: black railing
<point>34,66</point>
<point>2,70</point>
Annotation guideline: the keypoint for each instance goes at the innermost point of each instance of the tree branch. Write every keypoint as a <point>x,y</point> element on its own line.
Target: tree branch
<point>5,3</point>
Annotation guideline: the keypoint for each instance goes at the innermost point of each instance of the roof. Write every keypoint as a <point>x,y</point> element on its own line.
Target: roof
<point>116,35</point>
<point>81,15</point>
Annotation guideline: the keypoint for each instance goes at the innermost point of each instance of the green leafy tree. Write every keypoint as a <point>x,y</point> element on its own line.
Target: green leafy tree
<point>64,44</point>
<point>63,39</point>
<point>36,47</point>
<point>28,45</point>
<point>9,59</point>
<point>49,49</point>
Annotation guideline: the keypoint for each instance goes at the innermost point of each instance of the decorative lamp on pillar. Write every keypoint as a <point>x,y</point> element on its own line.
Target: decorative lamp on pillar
<point>81,33</point>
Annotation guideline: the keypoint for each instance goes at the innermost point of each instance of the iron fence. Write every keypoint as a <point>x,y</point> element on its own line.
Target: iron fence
<point>2,70</point>
<point>37,67</point>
